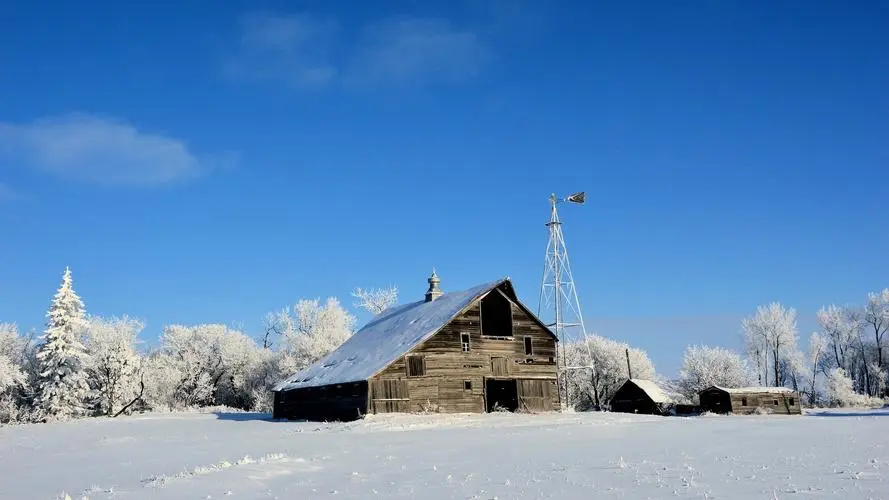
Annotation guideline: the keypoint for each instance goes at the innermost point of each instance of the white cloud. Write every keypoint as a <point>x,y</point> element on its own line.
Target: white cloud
<point>412,51</point>
<point>294,49</point>
<point>304,51</point>
<point>98,150</point>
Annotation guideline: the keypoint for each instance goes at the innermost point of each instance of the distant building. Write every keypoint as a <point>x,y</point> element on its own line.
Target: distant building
<point>646,397</point>
<point>472,351</point>
<point>745,400</point>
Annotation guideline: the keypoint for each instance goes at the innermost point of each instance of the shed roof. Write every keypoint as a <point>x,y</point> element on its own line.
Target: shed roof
<point>389,336</point>
<point>748,390</point>
<point>652,389</point>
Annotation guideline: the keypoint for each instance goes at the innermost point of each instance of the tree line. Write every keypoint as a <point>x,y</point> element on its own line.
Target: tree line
<point>83,365</point>
<point>845,364</point>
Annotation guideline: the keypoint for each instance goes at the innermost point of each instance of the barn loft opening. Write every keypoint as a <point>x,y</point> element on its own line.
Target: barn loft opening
<point>496,315</point>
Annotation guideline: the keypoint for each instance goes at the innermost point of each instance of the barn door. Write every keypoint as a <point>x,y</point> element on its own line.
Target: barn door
<point>534,395</point>
<point>499,367</point>
<point>388,396</point>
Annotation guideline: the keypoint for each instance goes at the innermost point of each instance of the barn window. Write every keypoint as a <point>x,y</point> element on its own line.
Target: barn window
<point>743,401</point>
<point>528,349</point>
<point>467,385</point>
<point>776,402</point>
<point>792,401</point>
<point>416,366</point>
<point>496,315</point>
<point>464,341</point>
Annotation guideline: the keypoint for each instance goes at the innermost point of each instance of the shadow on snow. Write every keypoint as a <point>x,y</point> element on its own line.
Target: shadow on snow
<point>877,412</point>
<point>245,416</point>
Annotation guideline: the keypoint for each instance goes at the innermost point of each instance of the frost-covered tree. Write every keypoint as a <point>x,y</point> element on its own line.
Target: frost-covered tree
<point>62,386</point>
<point>876,317</point>
<point>11,354</point>
<point>793,370</point>
<point>112,363</point>
<point>12,374</point>
<point>264,374</point>
<point>375,300</point>
<point>817,349</point>
<point>599,367</point>
<point>306,332</point>
<point>704,366</point>
<point>770,337</point>
<point>839,389</point>
<point>851,334</point>
<point>201,365</point>
<point>314,330</point>
<point>839,329</point>
<point>841,392</point>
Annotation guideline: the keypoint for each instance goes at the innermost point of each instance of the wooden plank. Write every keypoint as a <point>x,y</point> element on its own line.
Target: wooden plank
<point>499,367</point>
<point>534,395</point>
<point>389,395</point>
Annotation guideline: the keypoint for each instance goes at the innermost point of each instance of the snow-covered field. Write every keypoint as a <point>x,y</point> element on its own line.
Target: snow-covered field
<point>229,455</point>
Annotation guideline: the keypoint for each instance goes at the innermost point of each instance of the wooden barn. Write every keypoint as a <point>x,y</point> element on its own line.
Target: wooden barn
<point>472,351</point>
<point>746,400</point>
<point>642,396</point>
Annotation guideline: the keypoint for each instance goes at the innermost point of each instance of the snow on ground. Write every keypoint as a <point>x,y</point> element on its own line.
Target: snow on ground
<point>829,454</point>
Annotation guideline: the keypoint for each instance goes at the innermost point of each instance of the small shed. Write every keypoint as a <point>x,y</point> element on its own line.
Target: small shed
<point>746,400</point>
<point>642,396</point>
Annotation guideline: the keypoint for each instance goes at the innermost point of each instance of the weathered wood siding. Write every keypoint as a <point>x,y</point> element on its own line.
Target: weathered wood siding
<point>630,398</point>
<point>719,401</point>
<point>331,402</point>
<point>783,403</point>
<point>447,368</point>
<point>538,394</point>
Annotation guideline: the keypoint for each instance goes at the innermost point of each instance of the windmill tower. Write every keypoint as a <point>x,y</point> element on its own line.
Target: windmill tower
<point>559,307</point>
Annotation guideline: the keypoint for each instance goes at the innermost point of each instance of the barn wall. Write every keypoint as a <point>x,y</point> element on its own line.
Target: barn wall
<point>767,401</point>
<point>328,403</point>
<point>721,401</point>
<point>629,398</point>
<point>716,401</point>
<point>442,388</point>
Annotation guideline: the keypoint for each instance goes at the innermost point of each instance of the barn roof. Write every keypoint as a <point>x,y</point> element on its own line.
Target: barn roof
<point>389,336</point>
<point>748,390</point>
<point>652,389</point>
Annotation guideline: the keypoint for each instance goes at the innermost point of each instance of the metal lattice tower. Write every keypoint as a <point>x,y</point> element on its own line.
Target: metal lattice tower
<point>559,307</point>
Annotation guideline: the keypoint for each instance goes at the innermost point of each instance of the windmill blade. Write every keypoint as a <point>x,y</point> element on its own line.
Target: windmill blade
<point>577,198</point>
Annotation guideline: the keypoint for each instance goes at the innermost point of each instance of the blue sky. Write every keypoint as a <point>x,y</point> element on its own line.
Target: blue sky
<point>209,163</point>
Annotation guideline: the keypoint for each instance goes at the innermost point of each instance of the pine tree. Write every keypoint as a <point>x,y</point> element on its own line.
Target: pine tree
<point>62,385</point>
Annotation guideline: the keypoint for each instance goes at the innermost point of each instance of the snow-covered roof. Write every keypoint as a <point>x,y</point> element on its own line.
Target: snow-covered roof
<point>740,390</point>
<point>654,391</point>
<point>388,336</point>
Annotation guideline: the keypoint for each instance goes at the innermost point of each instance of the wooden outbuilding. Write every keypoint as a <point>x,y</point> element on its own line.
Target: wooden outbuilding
<point>746,400</point>
<point>642,396</point>
<point>472,351</point>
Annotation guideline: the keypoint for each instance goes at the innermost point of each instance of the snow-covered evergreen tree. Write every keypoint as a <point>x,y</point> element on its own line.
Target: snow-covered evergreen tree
<point>62,387</point>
